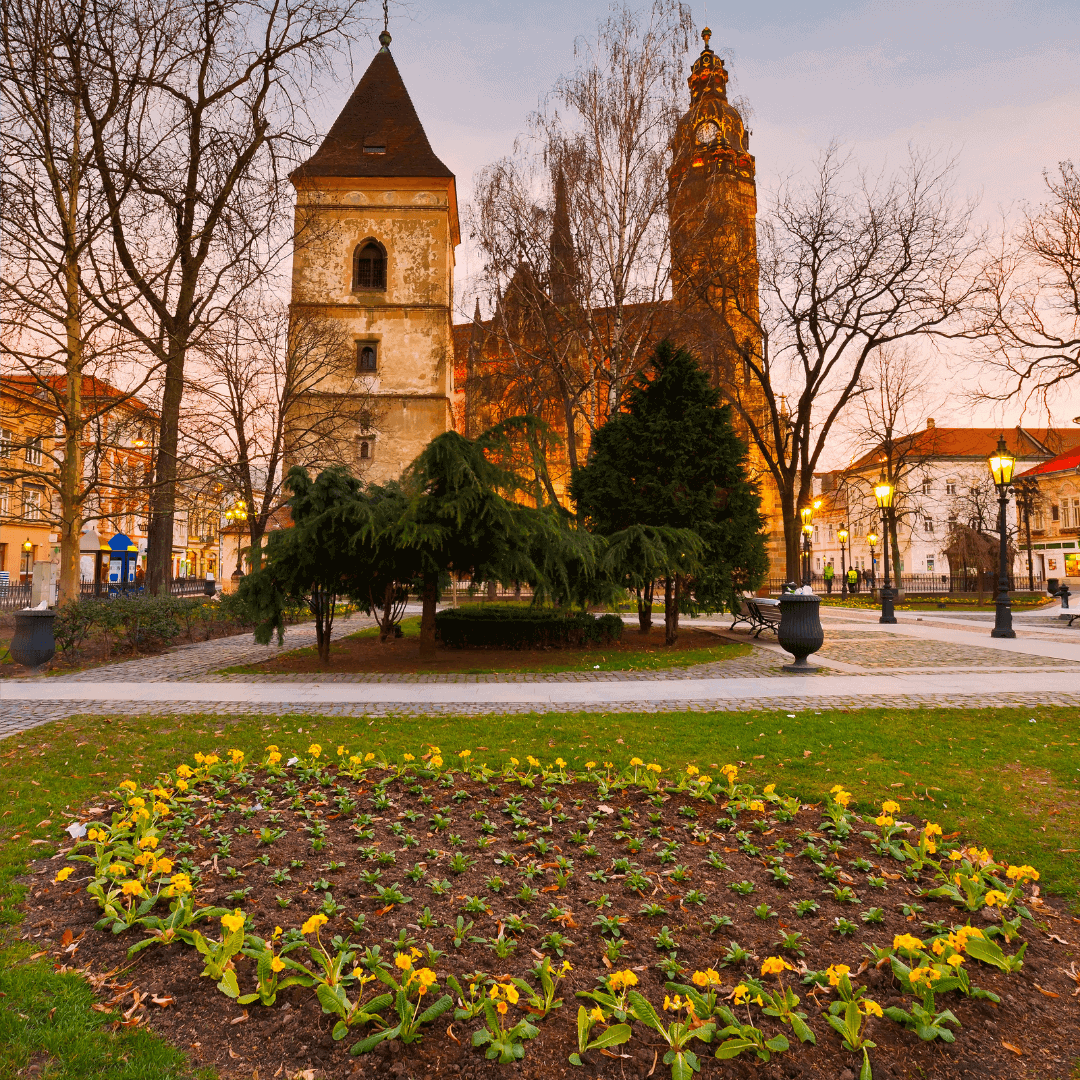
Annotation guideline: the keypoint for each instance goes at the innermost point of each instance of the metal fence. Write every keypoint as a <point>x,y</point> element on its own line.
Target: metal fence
<point>14,597</point>
<point>178,587</point>
<point>924,584</point>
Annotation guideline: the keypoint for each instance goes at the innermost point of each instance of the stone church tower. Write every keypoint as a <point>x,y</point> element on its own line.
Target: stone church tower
<point>712,205</point>
<point>376,228</point>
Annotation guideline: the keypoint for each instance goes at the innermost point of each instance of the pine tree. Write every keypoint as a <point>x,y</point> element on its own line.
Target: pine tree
<point>669,466</point>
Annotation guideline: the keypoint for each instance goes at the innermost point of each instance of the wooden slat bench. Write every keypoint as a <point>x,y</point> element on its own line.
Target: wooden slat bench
<point>759,614</point>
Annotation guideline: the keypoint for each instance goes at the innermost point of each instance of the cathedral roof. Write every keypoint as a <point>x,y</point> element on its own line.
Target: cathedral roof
<point>380,113</point>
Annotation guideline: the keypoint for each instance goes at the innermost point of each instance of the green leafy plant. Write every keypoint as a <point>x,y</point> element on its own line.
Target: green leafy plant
<point>678,1035</point>
<point>615,1035</point>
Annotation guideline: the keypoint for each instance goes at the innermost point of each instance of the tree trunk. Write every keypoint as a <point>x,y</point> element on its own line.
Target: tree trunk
<point>427,618</point>
<point>671,609</point>
<point>792,538</point>
<point>385,625</point>
<point>644,607</point>
<point>163,497</point>
<point>895,553</point>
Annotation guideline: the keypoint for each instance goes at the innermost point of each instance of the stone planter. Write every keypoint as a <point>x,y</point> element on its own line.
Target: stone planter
<point>800,630</point>
<point>33,644</point>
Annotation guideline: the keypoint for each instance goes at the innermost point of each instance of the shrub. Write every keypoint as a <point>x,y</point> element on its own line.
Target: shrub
<point>495,627</point>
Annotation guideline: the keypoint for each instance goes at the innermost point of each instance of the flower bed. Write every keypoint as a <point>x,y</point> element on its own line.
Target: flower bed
<point>415,919</point>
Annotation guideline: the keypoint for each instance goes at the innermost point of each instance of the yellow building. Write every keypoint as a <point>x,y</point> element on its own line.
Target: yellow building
<point>376,228</point>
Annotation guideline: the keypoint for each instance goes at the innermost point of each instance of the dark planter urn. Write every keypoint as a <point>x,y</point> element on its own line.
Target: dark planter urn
<point>800,630</point>
<point>33,643</point>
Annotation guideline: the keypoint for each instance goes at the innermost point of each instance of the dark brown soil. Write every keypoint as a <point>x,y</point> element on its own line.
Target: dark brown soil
<point>1034,1032</point>
<point>367,654</point>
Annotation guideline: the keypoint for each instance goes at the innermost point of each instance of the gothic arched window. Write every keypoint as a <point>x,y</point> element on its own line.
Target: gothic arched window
<point>369,265</point>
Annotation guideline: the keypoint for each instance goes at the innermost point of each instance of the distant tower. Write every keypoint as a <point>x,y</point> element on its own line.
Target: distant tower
<point>376,228</point>
<point>563,261</point>
<point>712,204</point>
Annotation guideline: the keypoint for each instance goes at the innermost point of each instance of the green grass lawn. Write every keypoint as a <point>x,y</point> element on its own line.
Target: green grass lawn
<point>990,774</point>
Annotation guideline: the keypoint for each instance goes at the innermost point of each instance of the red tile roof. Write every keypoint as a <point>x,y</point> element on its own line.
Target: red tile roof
<point>1066,462</point>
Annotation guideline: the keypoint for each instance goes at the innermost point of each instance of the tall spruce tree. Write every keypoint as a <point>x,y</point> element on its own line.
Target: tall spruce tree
<point>670,465</point>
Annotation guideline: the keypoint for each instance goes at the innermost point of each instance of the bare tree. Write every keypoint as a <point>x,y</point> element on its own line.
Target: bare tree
<point>848,264</point>
<point>52,219</point>
<point>198,111</point>
<point>882,423</point>
<point>1029,500</point>
<point>1032,315</point>
<point>573,228</point>
<point>269,395</point>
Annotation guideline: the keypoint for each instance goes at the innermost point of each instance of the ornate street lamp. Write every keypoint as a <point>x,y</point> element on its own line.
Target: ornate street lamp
<point>842,536</point>
<point>1001,466</point>
<point>237,515</point>
<point>807,515</point>
<point>883,493</point>
<point>872,539</point>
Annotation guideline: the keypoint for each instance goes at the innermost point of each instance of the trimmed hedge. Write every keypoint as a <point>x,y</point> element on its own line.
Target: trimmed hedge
<point>524,628</point>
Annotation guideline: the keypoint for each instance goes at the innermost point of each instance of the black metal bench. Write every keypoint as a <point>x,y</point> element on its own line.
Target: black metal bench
<point>758,614</point>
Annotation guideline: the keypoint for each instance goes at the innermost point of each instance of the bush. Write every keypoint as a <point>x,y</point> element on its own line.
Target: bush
<point>494,627</point>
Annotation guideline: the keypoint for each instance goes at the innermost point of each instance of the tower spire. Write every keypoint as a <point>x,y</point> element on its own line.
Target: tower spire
<point>563,260</point>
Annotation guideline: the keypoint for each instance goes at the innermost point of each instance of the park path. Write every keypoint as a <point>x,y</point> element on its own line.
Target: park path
<point>921,661</point>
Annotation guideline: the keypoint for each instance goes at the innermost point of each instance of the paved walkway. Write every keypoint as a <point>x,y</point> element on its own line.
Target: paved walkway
<point>921,661</point>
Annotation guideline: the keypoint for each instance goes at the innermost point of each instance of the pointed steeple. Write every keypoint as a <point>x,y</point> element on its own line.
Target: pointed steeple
<point>564,275</point>
<point>378,132</point>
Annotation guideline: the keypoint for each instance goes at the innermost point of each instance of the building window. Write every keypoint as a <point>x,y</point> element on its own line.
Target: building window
<point>7,442</point>
<point>366,445</point>
<point>950,487</point>
<point>929,564</point>
<point>1054,512</point>
<point>927,485</point>
<point>928,526</point>
<point>5,500</point>
<point>830,533</point>
<point>367,357</point>
<point>369,266</point>
<point>33,451</point>
<point>33,503</point>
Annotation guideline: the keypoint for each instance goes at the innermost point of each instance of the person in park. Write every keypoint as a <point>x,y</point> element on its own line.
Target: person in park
<point>853,581</point>
<point>828,574</point>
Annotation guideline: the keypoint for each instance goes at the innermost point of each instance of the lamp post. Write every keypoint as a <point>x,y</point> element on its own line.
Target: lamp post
<point>842,536</point>
<point>237,515</point>
<point>883,493</point>
<point>1001,466</point>
<point>872,539</point>
<point>807,515</point>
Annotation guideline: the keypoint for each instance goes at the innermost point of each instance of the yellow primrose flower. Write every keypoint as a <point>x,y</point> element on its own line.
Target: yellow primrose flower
<point>609,765</point>
<point>403,961</point>
<point>890,806</point>
<point>559,761</point>
<point>273,757</point>
<point>199,758</point>
<point>148,842</point>
<point>185,772</point>
<point>907,942</point>
<point>741,994</point>
<point>237,757</point>
<point>956,960</point>
<point>341,751</point>
<point>162,866</point>
<point>567,966</point>
<point>96,835</point>
<point>1022,873</point>
<point>514,761</point>
<point>500,1007</point>
<point>635,762</point>
<point>757,806</point>
<point>118,870</point>
<point>436,762</point>
<point>692,770</point>
<point>355,760</point>
<point>884,819</point>
<point>596,1016</point>
<point>932,829</point>
<point>532,761</point>
<point>870,1008</point>
<point>277,965</point>
<point>162,809</point>
<point>622,980</point>
<point>842,798</point>
<point>63,875</point>
<point>654,768</point>
<point>179,883</point>
<point>211,759</point>
<point>965,932</point>
<point>181,785</point>
<point>706,978</point>
<point>464,753</point>
<point>408,757</point>
<point>672,1004</point>
<point>590,764</point>
<point>314,749</point>
<point>434,749</point>
<point>313,924</point>
<point>770,788</point>
<point>127,785</point>
<point>427,977</point>
<point>705,780</point>
<point>731,772</point>
<point>133,888</point>
<point>836,972</point>
<point>136,800</point>
<point>774,965</point>
<point>510,990</point>
<point>995,898</point>
<point>143,858</point>
<point>233,922</point>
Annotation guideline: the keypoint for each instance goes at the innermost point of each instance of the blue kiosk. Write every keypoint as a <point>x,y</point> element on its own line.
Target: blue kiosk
<point>123,560</point>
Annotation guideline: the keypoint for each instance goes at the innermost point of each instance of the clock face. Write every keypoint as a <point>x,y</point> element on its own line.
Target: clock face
<point>707,132</point>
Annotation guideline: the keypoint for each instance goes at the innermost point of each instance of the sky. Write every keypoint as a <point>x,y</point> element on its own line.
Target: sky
<point>995,83</point>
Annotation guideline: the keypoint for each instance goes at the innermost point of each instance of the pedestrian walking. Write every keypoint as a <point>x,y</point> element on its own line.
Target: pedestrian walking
<point>829,572</point>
